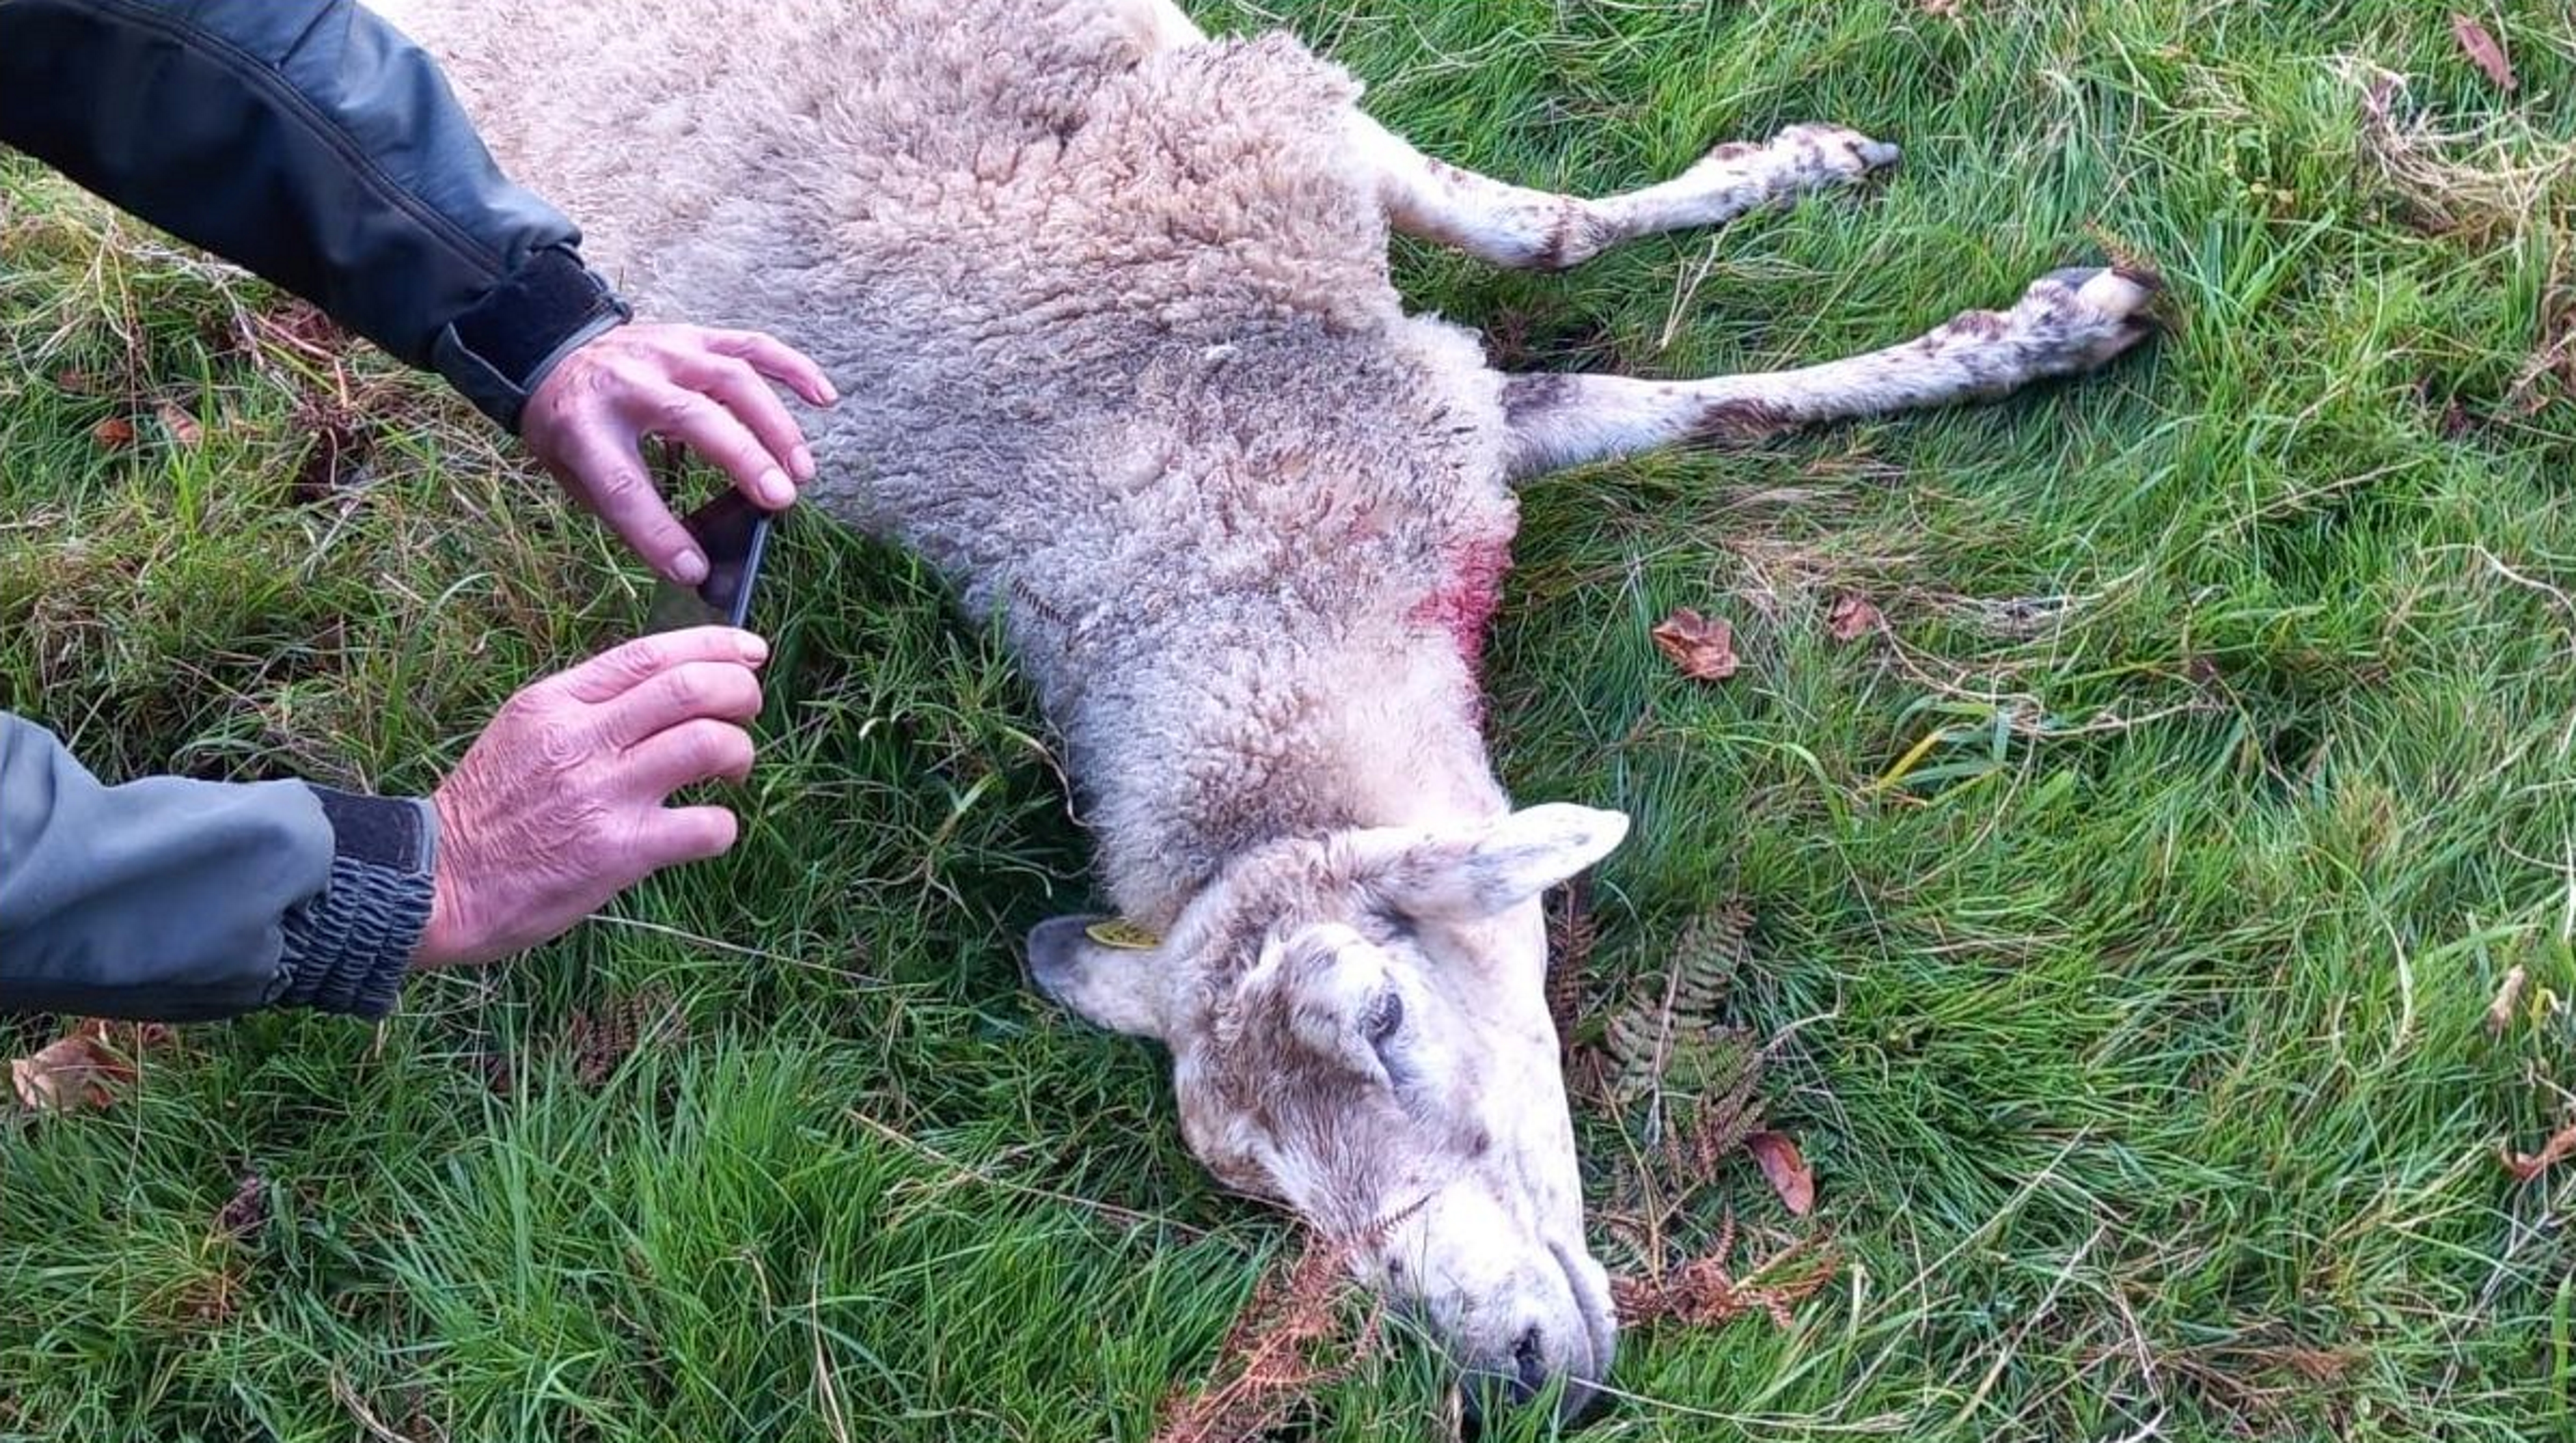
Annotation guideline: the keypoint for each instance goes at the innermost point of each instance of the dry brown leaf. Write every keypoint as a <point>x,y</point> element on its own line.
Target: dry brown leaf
<point>72,1074</point>
<point>1703,648</point>
<point>181,426</point>
<point>2508,996</point>
<point>80,383</point>
<point>113,434</point>
<point>2528,1165</point>
<point>1852,617</point>
<point>2483,50</point>
<point>1941,9</point>
<point>1786,1167</point>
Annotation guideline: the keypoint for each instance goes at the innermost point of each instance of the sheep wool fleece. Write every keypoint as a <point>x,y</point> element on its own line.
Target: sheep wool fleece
<point>1118,350</point>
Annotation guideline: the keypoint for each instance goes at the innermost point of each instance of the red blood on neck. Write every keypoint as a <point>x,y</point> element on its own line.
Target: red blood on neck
<point>1463,604</point>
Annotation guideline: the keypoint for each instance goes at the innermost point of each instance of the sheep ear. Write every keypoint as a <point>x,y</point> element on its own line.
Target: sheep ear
<point>1103,972</point>
<point>1341,984</point>
<point>1501,865</point>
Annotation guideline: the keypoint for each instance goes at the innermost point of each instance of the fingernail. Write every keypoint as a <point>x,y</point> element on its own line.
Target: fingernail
<point>689,568</point>
<point>775,489</point>
<point>803,461</point>
<point>754,650</point>
<point>830,395</point>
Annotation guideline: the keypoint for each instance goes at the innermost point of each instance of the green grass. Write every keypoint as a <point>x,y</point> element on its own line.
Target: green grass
<point>2140,1056</point>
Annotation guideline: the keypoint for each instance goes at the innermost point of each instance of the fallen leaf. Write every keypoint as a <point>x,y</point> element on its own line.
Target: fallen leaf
<point>183,428</point>
<point>1786,1168</point>
<point>73,1074</point>
<point>1704,649</point>
<point>1852,618</point>
<point>115,433</point>
<point>1943,9</point>
<point>79,383</point>
<point>2508,996</point>
<point>2483,49</point>
<point>2528,1165</point>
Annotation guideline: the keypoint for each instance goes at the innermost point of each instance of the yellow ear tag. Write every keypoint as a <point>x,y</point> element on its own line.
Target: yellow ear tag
<point>1120,935</point>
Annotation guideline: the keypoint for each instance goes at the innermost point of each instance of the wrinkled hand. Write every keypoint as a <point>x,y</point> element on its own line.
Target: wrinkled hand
<point>706,389</point>
<point>558,806</point>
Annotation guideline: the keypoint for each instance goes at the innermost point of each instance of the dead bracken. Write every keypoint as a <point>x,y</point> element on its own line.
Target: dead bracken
<point>2483,184</point>
<point>1304,1328</point>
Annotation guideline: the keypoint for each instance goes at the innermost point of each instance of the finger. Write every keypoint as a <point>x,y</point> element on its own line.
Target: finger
<point>692,752</point>
<point>606,471</point>
<point>727,690</point>
<point>621,669</point>
<point>710,430</point>
<point>778,361</point>
<point>671,835</point>
<point>739,389</point>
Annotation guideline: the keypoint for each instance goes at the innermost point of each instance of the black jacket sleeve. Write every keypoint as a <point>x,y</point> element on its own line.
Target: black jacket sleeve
<point>311,142</point>
<point>176,900</point>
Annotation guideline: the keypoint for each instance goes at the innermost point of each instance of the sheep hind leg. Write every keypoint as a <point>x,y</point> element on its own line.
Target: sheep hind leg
<point>1524,229</point>
<point>2067,322</point>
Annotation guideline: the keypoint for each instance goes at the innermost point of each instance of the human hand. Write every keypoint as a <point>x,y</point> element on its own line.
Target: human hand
<point>558,806</point>
<point>705,388</point>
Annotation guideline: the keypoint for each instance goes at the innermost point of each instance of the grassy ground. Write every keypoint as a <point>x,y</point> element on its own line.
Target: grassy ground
<point>2135,1034</point>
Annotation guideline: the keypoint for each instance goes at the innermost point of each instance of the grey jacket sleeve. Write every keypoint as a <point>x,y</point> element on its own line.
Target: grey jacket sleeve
<point>180,901</point>
<point>311,142</point>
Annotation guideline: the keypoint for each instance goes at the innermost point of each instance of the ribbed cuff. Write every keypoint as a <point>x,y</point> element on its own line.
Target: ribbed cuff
<point>349,946</point>
<point>496,353</point>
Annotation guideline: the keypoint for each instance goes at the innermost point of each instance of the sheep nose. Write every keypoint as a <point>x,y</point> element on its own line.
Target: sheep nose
<point>1517,1378</point>
<point>1529,1366</point>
